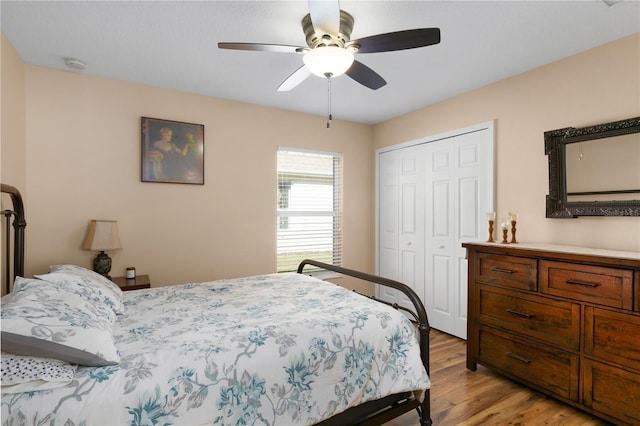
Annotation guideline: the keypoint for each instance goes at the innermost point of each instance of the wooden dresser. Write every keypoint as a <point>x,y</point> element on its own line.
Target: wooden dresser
<point>563,320</point>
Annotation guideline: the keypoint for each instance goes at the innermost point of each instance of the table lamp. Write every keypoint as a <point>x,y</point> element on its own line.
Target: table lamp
<point>102,236</point>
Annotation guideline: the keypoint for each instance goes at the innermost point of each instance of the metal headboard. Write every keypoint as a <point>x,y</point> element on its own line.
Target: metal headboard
<point>19,224</point>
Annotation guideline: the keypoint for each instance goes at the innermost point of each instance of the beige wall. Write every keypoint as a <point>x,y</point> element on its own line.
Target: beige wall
<point>12,116</point>
<point>83,150</point>
<point>596,86</point>
<point>12,128</point>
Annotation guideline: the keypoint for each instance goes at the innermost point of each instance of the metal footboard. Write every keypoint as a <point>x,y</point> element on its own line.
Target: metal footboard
<point>381,411</point>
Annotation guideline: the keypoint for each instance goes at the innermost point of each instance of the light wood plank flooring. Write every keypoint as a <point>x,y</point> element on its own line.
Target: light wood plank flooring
<point>482,397</point>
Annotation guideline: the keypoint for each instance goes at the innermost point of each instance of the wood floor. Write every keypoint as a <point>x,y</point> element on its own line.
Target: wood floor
<point>482,397</point>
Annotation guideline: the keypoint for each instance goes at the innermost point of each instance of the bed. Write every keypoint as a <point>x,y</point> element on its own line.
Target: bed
<point>274,349</point>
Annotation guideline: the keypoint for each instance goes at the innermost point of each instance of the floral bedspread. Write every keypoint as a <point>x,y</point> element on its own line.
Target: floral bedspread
<point>279,349</point>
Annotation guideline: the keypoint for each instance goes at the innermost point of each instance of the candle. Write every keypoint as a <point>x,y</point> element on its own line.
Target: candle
<point>131,272</point>
<point>491,216</point>
<point>514,218</point>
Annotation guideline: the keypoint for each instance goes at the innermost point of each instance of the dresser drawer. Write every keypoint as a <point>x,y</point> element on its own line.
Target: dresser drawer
<point>507,271</point>
<point>596,284</point>
<point>553,370</point>
<point>612,391</point>
<point>553,322</point>
<point>612,336</point>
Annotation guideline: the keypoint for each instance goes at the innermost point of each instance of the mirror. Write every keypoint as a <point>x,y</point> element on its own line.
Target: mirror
<point>594,171</point>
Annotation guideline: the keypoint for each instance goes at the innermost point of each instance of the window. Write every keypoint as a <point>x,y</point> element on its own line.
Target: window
<point>309,208</point>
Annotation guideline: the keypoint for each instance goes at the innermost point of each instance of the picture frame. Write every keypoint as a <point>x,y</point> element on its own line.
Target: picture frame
<point>172,151</point>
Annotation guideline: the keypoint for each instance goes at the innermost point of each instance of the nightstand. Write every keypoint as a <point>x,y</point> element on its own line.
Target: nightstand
<point>140,281</point>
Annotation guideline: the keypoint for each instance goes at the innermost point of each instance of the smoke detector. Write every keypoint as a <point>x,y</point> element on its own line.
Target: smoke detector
<point>75,64</point>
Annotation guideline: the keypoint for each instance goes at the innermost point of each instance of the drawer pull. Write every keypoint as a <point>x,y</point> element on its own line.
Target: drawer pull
<point>520,314</point>
<point>504,271</point>
<point>516,357</point>
<point>582,283</point>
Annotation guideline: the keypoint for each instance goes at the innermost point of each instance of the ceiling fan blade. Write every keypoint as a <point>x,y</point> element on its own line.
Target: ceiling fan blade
<point>398,40</point>
<point>325,16</point>
<point>294,79</point>
<point>365,76</point>
<point>262,47</point>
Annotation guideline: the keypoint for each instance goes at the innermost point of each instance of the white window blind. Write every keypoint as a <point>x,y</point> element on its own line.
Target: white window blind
<point>309,208</point>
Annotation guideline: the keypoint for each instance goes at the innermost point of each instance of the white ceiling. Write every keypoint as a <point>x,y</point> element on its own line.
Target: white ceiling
<point>173,44</point>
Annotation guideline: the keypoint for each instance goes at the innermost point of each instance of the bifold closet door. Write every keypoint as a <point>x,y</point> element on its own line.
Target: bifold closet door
<point>388,223</point>
<point>401,221</point>
<point>457,175</point>
<point>433,196</point>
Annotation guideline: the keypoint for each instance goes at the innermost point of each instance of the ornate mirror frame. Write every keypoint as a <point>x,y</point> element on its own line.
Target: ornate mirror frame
<point>555,142</point>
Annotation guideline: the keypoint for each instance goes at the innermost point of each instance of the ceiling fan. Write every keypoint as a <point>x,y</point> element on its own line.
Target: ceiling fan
<point>330,51</point>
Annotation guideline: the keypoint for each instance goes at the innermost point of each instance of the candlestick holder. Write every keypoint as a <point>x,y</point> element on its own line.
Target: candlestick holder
<point>505,240</point>
<point>490,240</point>
<point>513,232</point>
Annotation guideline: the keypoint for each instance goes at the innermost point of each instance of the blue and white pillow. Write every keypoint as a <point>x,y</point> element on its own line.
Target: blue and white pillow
<point>88,283</point>
<point>45,319</point>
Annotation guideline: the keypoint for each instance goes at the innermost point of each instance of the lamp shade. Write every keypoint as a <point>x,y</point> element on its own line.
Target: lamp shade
<point>102,235</point>
<point>331,60</point>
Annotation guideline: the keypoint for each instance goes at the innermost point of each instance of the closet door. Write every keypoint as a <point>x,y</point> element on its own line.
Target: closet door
<point>458,176</point>
<point>401,221</point>
<point>433,195</point>
<point>411,214</point>
<point>388,222</point>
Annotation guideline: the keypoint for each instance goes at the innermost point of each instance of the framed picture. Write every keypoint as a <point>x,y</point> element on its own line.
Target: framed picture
<point>172,151</point>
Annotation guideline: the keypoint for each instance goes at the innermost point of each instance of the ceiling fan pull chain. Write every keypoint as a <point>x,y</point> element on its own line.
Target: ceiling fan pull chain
<point>329,116</point>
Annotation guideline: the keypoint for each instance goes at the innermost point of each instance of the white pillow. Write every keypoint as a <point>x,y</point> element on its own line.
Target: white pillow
<point>28,374</point>
<point>44,319</point>
<point>88,283</point>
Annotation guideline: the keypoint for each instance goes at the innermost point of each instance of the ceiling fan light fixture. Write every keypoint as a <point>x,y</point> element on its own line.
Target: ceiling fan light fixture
<point>331,60</point>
